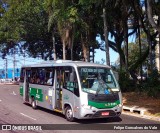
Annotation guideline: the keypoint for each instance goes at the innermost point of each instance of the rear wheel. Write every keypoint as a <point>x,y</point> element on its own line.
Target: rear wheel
<point>69,114</point>
<point>33,103</point>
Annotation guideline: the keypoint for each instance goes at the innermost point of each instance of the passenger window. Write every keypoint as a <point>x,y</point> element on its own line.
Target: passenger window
<point>42,76</point>
<point>49,76</point>
<point>72,82</point>
<point>33,79</point>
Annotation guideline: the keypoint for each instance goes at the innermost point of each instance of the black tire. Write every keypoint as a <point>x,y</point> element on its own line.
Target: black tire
<point>33,103</point>
<point>69,114</point>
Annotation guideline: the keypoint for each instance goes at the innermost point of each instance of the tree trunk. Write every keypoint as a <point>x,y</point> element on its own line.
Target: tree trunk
<point>140,51</point>
<point>126,45</point>
<point>120,51</point>
<point>85,50</point>
<point>149,35</point>
<point>106,37</point>
<point>150,15</point>
<point>54,47</point>
<point>72,42</point>
<point>71,48</point>
<point>64,50</point>
<point>158,43</point>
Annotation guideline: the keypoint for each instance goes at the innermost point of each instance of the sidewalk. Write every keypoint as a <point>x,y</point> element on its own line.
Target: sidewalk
<point>137,113</point>
<point>140,105</point>
<point>8,81</point>
<point>2,81</point>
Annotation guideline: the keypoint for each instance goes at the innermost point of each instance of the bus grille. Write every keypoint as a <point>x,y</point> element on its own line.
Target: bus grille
<point>103,97</point>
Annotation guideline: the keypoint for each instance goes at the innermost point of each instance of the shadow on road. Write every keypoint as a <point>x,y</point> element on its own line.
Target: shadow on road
<point>47,110</point>
<point>81,121</point>
<point>101,120</point>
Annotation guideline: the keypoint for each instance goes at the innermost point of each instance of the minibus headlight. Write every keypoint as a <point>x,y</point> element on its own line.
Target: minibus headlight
<point>119,105</point>
<point>86,106</point>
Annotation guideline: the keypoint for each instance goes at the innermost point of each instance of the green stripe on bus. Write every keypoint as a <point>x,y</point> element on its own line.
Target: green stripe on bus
<point>37,93</point>
<point>21,90</point>
<point>103,105</point>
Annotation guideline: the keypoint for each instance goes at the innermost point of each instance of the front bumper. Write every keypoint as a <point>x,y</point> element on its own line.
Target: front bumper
<point>97,113</point>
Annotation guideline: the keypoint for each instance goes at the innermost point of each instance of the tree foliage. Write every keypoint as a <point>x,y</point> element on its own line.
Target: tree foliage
<point>75,25</point>
<point>26,21</point>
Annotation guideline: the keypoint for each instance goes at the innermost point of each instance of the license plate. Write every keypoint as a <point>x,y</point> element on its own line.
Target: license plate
<point>105,113</point>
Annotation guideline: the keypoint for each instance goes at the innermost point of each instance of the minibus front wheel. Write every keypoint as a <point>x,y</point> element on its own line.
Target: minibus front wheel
<point>33,103</point>
<point>69,114</point>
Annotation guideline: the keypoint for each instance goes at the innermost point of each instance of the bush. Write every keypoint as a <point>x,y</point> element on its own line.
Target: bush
<point>153,84</point>
<point>126,84</point>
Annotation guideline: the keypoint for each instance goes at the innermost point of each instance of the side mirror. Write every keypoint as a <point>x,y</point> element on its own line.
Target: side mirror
<point>109,78</point>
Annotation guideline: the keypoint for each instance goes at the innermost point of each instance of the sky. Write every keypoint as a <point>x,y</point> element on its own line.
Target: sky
<point>21,60</point>
<point>102,54</point>
<point>113,55</point>
<point>98,56</point>
<point>26,61</point>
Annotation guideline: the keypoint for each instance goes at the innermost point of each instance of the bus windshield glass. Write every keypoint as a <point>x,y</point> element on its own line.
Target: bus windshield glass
<point>97,80</point>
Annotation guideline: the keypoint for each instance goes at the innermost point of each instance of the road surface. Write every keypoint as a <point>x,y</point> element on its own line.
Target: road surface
<point>13,111</point>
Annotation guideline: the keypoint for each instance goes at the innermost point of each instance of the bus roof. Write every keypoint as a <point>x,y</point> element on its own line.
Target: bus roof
<point>65,63</point>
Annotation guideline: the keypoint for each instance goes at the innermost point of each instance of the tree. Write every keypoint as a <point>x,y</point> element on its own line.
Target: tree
<point>64,15</point>
<point>27,21</point>
<point>156,6</point>
<point>142,17</point>
<point>74,26</point>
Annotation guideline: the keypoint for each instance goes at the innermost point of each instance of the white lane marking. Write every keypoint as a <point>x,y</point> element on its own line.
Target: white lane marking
<point>28,116</point>
<point>13,93</point>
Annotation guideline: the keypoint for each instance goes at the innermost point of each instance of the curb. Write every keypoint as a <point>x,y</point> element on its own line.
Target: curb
<point>12,83</point>
<point>136,109</point>
<point>133,110</point>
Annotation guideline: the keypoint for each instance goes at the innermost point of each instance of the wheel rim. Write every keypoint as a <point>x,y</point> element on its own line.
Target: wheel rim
<point>69,113</point>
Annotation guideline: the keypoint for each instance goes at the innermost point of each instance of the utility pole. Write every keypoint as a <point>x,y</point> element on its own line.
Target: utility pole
<point>14,63</point>
<point>24,57</point>
<point>6,68</point>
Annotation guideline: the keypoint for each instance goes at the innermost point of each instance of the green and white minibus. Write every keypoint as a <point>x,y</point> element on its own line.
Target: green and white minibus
<point>76,89</point>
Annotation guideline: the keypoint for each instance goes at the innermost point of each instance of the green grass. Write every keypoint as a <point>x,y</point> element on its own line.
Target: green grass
<point>157,114</point>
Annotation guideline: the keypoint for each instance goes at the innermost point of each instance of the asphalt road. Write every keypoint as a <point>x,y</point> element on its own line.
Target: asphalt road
<point>13,111</point>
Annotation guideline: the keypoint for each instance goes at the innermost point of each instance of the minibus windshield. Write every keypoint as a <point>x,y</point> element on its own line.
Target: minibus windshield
<point>97,80</point>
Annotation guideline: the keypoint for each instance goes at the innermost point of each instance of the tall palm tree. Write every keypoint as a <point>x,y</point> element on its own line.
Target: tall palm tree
<point>58,12</point>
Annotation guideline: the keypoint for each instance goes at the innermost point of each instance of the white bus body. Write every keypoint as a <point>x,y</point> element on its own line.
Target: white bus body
<point>77,89</point>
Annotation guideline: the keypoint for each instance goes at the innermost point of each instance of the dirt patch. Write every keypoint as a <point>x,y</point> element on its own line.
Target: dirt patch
<point>143,101</point>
